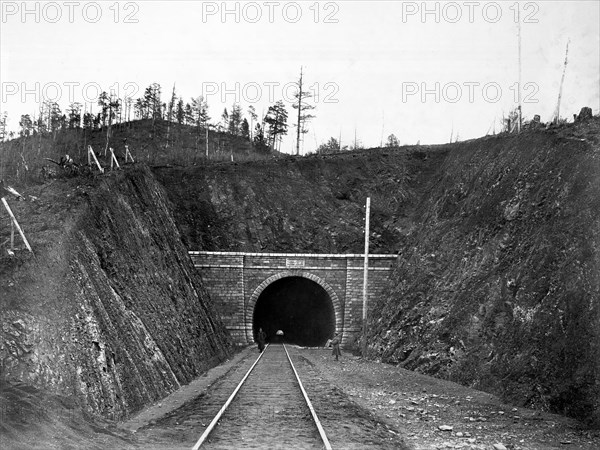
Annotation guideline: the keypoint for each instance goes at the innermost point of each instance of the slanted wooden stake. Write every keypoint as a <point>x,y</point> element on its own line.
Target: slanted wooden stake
<point>91,152</point>
<point>113,159</point>
<point>128,154</point>
<point>12,236</point>
<point>16,224</point>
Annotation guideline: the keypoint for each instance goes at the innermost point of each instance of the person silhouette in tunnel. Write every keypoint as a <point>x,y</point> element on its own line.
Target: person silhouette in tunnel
<point>335,343</point>
<point>260,339</point>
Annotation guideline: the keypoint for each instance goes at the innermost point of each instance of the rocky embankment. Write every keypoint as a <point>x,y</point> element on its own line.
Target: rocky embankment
<point>498,287</point>
<point>109,311</point>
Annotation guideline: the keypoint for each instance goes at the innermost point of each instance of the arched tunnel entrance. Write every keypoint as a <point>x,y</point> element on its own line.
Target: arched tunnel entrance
<point>299,307</point>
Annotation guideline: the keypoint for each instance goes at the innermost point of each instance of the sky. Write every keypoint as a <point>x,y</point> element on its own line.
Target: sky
<point>427,72</point>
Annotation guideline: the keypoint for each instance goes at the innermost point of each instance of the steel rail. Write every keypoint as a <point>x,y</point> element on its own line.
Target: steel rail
<point>313,413</point>
<point>213,423</point>
<point>310,406</point>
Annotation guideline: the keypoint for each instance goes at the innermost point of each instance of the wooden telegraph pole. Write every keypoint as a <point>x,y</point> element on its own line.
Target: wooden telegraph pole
<point>562,81</point>
<point>299,113</point>
<point>520,107</point>
<point>206,129</point>
<point>365,279</point>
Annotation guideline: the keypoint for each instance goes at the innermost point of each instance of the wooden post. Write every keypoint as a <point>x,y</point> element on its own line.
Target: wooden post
<point>113,159</point>
<point>365,279</point>
<point>520,111</point>
<point>299,113</point>
<point>16,224</point>
<point>562,81</point>
<point>12,236</point>
<point>128,154</point>
<point>90,151</point>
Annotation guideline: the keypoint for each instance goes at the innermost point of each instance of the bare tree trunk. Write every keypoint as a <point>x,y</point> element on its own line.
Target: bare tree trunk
<point>299,113</point>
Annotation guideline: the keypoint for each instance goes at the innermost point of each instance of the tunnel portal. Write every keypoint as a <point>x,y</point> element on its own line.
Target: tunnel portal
<point>253,290</point>
<point>299,307</point>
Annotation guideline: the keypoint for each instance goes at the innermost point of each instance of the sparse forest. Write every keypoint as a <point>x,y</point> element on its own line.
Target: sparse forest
<point>178,131</point>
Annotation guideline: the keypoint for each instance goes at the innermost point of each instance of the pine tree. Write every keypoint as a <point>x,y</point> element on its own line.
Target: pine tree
<point>151,103</point>
<point>332,146</point>
<point>188,115</point>
<point>3,124</point>
<point>74,112</point>
<point>57,119</point>
<point>392,141</point>
<point>200,112</point>
<point>253,117</point>
<point>43,122</point>
<point>276,118</point>
<point>88,121</point>
<point>180,113</point>
<point>171,106</point>
<point>225,119</point>
<point>103,103</point>
<point>245,129</point>
<point>26,125</point>
<point>141,109</point>
<point>235,120</point>
<point>127,104</point>
<point>259,139</point>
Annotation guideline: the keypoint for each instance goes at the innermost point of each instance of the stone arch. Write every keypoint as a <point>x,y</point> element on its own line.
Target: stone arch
<point>337,305</point>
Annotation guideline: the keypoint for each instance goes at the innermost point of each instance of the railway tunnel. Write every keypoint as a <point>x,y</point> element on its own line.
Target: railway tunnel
<point>299,307</point>
<point>308,296</point>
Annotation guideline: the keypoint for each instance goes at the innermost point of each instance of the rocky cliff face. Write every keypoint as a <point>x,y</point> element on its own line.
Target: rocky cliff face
<point>499,286</point>
<point>498,278</point>
<point>110,310</point>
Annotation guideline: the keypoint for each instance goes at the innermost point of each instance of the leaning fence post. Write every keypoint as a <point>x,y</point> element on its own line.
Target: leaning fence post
<point>16,224</point>
<point>128,154</point>
<point>91,152</point>
<point>12,236</point>
<point>113,158</point>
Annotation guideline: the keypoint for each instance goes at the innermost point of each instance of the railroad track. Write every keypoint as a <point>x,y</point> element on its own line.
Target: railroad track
<point>269,408</point>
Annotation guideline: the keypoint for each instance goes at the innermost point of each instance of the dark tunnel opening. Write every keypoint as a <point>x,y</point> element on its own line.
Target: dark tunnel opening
<point>300,308</point>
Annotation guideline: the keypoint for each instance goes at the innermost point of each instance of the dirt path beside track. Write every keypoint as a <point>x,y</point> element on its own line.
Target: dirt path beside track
<point>435,414</point>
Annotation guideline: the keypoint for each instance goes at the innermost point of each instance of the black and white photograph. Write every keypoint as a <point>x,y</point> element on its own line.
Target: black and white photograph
<point>311,224</point>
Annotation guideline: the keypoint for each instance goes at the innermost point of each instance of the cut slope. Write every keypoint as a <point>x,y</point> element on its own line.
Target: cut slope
<point>110,310</point>
<point>499,286</point>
